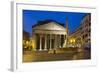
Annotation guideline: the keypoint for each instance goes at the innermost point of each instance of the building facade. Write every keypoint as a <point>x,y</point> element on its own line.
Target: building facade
<point>26,39</point>
<point>26,35</point>
<point>48,35</point>
<point>82,35</point>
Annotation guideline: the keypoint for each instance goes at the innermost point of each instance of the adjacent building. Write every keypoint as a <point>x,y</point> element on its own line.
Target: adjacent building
<point>81,37</point>
<point>26,35</point>
<point>26,39</point>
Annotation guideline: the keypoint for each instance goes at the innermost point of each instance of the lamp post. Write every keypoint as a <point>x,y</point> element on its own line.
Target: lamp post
<point>72,42</point>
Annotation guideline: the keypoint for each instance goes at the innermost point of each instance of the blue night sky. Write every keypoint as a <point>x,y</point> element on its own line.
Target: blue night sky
<point>31,17</point>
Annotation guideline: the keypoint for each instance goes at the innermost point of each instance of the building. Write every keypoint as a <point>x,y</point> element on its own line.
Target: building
<point>82,35</point>
<point>48,35</point>
<point>26,39</point>
<point>26,35</point>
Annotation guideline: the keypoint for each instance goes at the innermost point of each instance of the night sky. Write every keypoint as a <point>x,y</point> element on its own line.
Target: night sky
<point>31,17</point>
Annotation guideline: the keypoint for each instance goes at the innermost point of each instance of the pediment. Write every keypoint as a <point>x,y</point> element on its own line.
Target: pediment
<point>50,26</point>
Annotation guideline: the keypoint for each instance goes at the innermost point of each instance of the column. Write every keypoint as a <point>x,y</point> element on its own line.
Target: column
<point>45,42</point>
<point>55,46</point>
<point>35,44</point>
<point>60,41</point>
<point>65,37</point>
<point>50,42</point>
<point>64,42</point>
<point>57,42</point>
<point>40,43</point>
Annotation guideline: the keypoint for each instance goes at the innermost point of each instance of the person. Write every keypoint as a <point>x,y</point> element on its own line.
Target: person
<point>54,51</point>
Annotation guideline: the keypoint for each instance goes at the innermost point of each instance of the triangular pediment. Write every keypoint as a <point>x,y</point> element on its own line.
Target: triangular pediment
<point>50,26</point>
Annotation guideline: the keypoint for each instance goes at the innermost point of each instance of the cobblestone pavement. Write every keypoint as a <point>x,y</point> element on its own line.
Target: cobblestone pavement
<point>36,56</point>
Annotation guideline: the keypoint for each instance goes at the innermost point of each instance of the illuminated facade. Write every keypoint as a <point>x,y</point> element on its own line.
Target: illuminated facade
<point>48,35</point>
<point>26,39</point>
<point>82,34</point>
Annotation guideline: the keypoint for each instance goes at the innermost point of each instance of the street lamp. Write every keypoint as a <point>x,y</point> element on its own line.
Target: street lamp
<point>72,42</point>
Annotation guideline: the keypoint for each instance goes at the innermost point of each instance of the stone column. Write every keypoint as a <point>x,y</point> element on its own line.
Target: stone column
<point>40,43</point>
<point>50,42</point>
<point>55,46</point>
<point>60,41</point>
<point>45,42</point>
<point>57,42</point>
<point>64,37</point>
<point>65,41</point>
<point>35,44</point>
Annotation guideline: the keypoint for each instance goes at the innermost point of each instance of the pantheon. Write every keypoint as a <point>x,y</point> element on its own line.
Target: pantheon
<point>48,35</point>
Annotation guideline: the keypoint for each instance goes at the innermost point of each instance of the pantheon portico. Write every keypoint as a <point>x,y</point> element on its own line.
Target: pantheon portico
<point>49,35</point>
